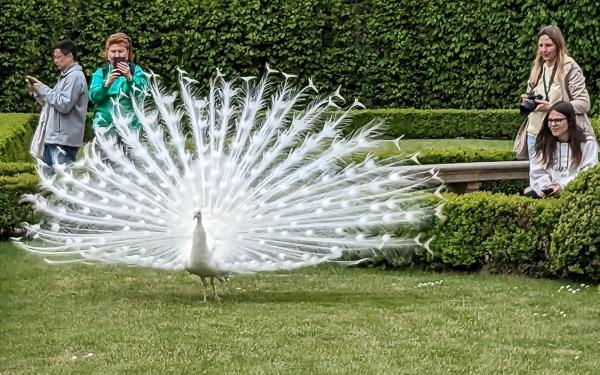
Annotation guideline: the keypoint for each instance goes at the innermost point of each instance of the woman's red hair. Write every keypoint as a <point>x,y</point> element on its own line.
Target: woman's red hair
<point>120,38</point>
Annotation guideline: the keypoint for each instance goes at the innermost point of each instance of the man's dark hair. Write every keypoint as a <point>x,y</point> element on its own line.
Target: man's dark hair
<point>67,46</point>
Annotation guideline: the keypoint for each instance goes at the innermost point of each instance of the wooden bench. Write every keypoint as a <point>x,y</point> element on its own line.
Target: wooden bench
<point>466,177</point>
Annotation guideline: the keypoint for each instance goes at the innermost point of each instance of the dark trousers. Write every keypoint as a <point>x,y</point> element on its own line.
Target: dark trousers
<point>53,155</point>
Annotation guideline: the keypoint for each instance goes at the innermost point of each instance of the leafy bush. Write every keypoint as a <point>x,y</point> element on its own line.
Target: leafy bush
<point>515,234</point>
<point>575,245</point>
<point>385,53</point>
<point>443,123</point>
<point>12,187</point>
<point>16,131</point>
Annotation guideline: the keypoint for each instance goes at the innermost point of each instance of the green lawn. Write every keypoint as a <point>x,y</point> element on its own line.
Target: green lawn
<point>326,320</point>
<point>413,145</point>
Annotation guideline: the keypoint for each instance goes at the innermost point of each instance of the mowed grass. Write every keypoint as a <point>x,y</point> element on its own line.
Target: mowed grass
<point>414,145</point>
<point>79,319</point>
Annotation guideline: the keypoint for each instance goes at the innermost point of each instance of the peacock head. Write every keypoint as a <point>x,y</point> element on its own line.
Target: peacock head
<point>198,215</point>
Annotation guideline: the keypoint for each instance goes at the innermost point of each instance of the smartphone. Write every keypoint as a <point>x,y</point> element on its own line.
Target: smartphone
<point>547,190</point>
<point>117,60</point>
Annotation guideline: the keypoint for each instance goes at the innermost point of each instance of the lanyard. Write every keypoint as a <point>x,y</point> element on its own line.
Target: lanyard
<point>549,85</point>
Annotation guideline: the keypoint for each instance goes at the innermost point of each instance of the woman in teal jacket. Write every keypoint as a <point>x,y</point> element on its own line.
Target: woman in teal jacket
<point>117,83</point>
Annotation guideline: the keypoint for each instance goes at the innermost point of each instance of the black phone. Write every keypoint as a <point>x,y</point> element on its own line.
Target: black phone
<point>547,190</point>
<point>117,60</point>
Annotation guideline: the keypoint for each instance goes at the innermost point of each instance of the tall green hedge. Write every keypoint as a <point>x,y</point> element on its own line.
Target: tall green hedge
<point>419,54</point>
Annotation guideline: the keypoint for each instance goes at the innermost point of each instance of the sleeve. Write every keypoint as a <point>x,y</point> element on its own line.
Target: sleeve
<point>538,174</point>
<point>63,100</point>
<point>580,98</point>
<point>138,85</point>
<point>589,154</point>
<point>38,98</point>
<point>98,93</point>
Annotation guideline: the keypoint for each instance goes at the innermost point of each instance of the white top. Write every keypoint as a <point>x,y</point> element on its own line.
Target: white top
<point>562,170</point>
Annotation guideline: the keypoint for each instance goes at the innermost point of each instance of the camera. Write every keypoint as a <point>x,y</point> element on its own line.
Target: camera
<point>529,105</point>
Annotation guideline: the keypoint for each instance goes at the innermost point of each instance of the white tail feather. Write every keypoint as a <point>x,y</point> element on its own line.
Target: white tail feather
<point>265,164</point>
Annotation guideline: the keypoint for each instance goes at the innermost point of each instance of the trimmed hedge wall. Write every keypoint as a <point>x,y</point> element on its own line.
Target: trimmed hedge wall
<point>412,53</point>
<point>443,123</point>
<point>16,179</point>
<point>514,234</point>
<point>16,131</point>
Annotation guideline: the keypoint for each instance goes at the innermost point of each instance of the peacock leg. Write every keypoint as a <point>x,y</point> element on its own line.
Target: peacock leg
<point>205,287</point>
<point>212,283</point>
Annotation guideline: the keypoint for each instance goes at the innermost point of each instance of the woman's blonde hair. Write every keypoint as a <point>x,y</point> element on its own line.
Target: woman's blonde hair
<point>119,38</point>
<point>554,33</point>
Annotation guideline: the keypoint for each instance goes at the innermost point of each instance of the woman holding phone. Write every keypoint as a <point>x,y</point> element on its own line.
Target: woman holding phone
<point>117,82</point>
<point>561,151</point>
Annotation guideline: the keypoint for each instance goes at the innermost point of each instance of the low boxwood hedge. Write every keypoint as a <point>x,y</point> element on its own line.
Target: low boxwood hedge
<point>16,131</point>
<point>515,234</point>
<point>443,123</point>
<point>16,179</point>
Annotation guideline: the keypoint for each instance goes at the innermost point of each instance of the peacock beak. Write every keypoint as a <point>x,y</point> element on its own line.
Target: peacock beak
<point>198,215</point>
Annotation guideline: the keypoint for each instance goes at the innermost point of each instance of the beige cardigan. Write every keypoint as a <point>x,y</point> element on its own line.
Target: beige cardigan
<point>573,89</point>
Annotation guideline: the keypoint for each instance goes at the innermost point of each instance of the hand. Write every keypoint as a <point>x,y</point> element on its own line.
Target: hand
<point>114,74</point>
<point>550,190</point>
<point>543,105</point>
<point>124,69</point>
<point>33,83</point>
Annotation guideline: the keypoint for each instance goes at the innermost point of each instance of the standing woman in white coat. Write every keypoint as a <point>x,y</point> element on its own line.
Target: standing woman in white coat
<point>555,76</point>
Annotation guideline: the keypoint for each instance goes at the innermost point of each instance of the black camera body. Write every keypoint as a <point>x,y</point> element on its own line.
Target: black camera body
<point>529,105</point>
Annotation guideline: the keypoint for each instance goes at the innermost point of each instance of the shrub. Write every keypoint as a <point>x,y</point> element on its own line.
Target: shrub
<point>12,213</point>
<point>575,245</point>
<point>443,123</point>
<point>16,131</point>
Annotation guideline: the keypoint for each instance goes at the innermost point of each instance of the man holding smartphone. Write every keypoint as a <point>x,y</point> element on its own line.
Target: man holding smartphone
<point>67,106</point>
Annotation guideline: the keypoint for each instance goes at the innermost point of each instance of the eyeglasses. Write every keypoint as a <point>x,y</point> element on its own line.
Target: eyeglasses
<point>556,120</point>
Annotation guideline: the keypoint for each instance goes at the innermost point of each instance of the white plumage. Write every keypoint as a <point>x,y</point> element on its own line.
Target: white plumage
<point>254,177</point>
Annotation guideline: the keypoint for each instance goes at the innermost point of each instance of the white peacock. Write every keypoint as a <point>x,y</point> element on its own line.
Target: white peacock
<point>254,177</point>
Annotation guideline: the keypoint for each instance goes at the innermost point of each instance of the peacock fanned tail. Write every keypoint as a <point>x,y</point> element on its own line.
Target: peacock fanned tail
<point>265,162</point>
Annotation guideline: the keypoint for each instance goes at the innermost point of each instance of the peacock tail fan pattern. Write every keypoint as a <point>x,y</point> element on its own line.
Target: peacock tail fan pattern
<point>256,176</point>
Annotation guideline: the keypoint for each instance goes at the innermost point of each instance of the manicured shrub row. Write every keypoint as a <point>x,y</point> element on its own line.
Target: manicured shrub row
<point>16,130</point>
<point>16,179</point>
<point>443,123</point>
<point>515,234</point>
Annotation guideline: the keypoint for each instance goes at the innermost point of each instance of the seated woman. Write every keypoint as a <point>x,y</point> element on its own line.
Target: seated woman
<point>561,151</point>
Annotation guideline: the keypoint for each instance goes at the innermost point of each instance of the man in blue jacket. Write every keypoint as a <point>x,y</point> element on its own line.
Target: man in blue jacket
<point>67,106</point>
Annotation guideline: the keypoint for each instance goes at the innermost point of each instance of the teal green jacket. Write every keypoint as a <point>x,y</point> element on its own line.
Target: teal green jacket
<point>102,98</point>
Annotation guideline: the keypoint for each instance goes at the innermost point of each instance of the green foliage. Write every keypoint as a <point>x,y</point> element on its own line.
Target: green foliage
<point>512,187</point>
<point>382,52</point>
<point>16,130</point>
<point>494,231</point>
<point>516,234</point>
<point>443,123</point>
<point>13,168</point>
<point>576,237</point>
<point>14,182</point>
